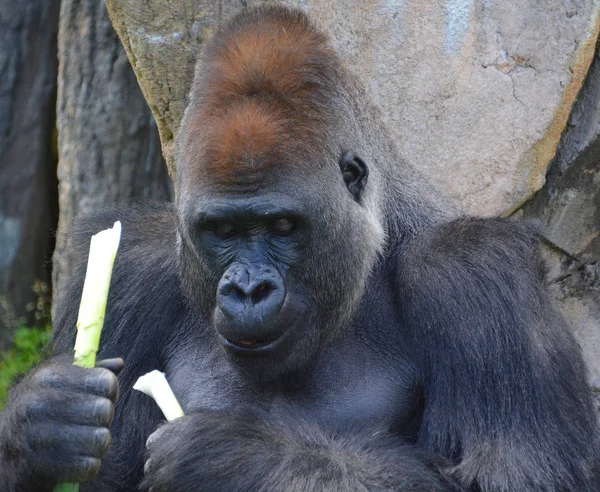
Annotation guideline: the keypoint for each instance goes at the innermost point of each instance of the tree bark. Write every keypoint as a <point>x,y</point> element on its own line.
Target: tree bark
<point>28,200</point>
<point>109,148</point>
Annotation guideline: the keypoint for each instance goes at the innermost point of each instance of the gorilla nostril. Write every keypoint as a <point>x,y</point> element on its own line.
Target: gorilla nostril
<point>260,292</point>
<point>233,291</point>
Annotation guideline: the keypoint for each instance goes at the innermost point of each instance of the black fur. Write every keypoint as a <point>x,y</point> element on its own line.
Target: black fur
<point>505,383</point>
<point>500,386</point>
<point>430,359</point>
<point>252,450</point>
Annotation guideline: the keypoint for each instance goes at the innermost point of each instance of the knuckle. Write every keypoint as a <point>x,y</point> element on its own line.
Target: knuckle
<point>47,376</point>
<point>35,406</point>
<point>154,438</point>
<point>37,437</point>
<point>166,428</point>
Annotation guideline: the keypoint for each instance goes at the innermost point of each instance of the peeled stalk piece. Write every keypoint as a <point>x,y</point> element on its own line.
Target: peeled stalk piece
<point>103,250</point>
<point>155,385</point>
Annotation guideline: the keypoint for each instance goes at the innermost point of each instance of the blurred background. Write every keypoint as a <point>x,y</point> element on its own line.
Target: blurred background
<point>497,102</point>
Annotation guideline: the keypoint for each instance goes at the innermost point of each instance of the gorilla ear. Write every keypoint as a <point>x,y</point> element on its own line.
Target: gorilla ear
<point>355,173</point>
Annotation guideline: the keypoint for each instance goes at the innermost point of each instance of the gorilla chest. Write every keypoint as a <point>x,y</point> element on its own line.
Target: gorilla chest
<point>344,388</point>
<point>364,392</point>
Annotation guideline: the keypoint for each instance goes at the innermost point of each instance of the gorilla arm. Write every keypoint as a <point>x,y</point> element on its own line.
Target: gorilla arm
<point>504,380</point>
<point>251,450</point>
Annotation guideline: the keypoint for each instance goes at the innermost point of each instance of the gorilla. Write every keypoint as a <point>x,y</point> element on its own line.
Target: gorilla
<point>327,321</point>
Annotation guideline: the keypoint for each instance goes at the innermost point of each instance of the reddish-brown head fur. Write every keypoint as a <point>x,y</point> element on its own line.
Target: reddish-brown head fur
<point>262,96</point>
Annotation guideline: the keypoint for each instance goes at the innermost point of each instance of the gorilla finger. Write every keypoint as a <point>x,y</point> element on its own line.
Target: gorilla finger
<point>156,436</point>
<point>99,381</point>
<point>95,411</point>
<point>87,467</point>
<point>66,441</point>
<point>115,365</point>
<point>80,469</point>
<point>69,408</point>
<point>103,382</point>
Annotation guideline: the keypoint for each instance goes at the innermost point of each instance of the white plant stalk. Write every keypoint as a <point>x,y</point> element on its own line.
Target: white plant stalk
<point>155,385</point>
<point>103,250</point>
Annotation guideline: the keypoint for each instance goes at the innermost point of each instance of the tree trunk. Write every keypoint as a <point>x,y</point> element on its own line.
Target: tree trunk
<point>109,148</point>
<point>28,201</point>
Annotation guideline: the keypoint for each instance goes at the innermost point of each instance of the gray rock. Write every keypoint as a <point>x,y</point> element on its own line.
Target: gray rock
<point>569,205</point>
<point>576,290</point>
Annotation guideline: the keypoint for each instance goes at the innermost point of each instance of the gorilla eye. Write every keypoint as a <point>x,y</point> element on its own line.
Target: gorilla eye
<point>282,227</point>
<point>224,230</point>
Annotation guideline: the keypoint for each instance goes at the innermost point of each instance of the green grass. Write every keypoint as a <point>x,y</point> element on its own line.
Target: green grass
<point>27,351</point>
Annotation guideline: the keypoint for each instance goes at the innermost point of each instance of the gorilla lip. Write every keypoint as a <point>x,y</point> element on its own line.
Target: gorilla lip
<point>250,346</point>
<point>250,343</point>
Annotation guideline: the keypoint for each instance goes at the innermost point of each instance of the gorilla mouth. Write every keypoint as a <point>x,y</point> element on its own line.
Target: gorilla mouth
<point>249,343</point>
<point>253,343</point>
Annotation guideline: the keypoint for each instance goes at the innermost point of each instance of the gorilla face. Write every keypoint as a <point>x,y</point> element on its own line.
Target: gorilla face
<point>255,245</point>
<point>276,269</point>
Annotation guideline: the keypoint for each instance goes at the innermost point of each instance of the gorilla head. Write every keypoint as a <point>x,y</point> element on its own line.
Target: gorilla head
<point>280,220</point>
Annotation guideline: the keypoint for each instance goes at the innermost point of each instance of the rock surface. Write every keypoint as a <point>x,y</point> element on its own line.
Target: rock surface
<point>576,290</point>
<point>161,38</point>
<point>569,203</point>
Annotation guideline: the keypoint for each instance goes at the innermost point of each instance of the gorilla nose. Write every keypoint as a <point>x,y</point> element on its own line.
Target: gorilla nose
<point>250,294</point>
<point>250,298</point>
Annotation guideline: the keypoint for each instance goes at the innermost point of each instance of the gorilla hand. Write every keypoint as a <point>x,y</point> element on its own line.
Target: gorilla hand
<point>244,450</point>
<point>56,426</point>
<point>229,451</point>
